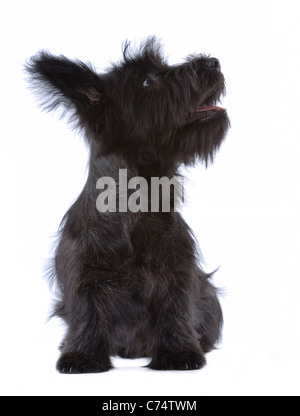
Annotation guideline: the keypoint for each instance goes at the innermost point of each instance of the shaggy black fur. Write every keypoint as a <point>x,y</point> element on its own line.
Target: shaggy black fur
<point>130,283</point>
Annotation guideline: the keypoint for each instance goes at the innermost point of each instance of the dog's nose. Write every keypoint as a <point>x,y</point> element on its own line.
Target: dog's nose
<point>212,63</point>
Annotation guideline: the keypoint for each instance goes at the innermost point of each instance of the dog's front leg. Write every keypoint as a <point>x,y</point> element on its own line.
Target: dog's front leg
<point>89,315</point>
<point>174,340</point>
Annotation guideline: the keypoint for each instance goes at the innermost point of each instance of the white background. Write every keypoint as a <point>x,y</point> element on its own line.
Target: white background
<point>244,209</point>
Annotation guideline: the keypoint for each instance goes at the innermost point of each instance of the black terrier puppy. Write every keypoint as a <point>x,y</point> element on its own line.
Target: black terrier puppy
<point>130,283</point>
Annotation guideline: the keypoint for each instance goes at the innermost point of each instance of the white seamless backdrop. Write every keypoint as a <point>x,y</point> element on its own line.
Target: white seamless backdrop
<point>244,209</point>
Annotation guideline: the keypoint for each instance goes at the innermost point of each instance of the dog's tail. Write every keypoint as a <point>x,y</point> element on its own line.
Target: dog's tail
<point>210,313</point>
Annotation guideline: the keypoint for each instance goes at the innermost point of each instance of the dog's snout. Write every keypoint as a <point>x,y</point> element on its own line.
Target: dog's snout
<point>212,63</point>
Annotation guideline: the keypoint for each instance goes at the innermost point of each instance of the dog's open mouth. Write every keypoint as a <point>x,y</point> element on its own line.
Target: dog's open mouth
<point>204,112</point>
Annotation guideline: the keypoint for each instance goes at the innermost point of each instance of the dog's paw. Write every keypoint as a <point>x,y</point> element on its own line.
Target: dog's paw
<point>185,360</point>
<point>77,363</point>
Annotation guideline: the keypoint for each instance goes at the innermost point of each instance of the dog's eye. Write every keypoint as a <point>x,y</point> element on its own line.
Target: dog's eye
<point>147,82</point>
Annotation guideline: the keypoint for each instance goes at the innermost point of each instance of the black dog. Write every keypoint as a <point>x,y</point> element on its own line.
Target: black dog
<point>130,283</point>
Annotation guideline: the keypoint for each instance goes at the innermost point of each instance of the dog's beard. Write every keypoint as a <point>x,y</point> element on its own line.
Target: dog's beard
<point>207,106</point>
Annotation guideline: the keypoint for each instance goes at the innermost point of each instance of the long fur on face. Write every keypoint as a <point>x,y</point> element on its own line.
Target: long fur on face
<point>131,284</point>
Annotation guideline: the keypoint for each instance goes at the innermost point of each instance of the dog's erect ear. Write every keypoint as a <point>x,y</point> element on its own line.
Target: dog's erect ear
<point>60,81</point>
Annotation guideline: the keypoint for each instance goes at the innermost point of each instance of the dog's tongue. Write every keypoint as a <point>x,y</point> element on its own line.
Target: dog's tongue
<point>203,108</point>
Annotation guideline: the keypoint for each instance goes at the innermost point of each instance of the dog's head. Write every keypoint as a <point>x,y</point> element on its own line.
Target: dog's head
<point>140,103</point>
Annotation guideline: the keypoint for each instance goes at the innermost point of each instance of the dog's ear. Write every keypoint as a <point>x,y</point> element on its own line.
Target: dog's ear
<point>62,82</point>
